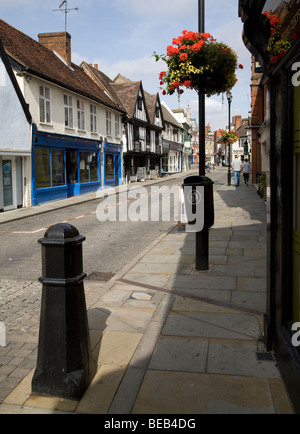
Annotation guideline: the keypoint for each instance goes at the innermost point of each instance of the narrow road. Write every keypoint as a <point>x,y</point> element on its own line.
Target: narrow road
<point>108,247</point>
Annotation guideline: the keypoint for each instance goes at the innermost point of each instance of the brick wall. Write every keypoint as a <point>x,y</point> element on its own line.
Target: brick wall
<point>59,42</point>
<point>257,118</point>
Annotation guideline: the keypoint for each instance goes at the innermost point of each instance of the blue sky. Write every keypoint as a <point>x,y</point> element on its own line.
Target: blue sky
<point>121,36</point>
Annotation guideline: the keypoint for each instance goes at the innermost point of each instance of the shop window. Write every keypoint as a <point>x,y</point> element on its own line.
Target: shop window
<point>94,166</point>
<point>84,167</point>
<point>58,168</point>
<point>42,168</point>
<point>109,167</point>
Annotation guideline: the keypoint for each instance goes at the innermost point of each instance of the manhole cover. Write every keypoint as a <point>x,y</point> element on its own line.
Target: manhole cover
<point>101,276</point>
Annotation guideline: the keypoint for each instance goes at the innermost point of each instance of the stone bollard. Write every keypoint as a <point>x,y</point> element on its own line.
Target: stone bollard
<point>65,366</point>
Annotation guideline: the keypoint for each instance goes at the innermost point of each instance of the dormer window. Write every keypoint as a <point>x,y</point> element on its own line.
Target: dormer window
<point>140,103</point>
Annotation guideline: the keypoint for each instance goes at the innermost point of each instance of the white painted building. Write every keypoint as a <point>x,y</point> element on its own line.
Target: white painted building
<point>15,141</point>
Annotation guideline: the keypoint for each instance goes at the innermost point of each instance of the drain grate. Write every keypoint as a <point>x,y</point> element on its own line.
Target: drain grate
<point>100,276</point>
<point>264,356</point>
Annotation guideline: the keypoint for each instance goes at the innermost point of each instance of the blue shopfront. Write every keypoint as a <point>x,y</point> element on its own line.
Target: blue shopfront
<point>63,166</point>
<point>112,164</point>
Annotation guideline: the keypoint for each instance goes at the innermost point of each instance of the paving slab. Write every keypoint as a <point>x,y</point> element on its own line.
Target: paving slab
<point>202,281</point>
<point>180,354</point>
<point>212,325</point>
<point>194,393</point>
<point>238,358</point>
<point>116,348</point>
<point>124,320</point>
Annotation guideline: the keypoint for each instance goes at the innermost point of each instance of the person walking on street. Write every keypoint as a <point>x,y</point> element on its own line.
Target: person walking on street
<point>236,166</point>
<point>246,171</point>
<point>207,166</point>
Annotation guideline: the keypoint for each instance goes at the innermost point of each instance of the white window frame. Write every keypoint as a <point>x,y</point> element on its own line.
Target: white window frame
<point>45,105</point>
<point>117,125</point>
<point>80,115</point>
<point>108,123</point>
<point>93,118</point>
<point>69,112</point>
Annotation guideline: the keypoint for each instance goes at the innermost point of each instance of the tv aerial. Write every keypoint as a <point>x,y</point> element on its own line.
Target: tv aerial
<point>65,11</point>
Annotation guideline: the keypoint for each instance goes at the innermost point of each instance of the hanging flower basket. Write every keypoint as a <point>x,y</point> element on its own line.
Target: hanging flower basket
<point>280,41</point>
<point>197,61</point>
<point>229,136</point>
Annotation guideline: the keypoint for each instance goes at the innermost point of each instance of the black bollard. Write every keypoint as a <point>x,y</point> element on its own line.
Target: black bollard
<point>65,366</point>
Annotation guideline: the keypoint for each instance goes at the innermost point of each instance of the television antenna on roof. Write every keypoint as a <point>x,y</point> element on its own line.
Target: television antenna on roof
<point>65,11</point>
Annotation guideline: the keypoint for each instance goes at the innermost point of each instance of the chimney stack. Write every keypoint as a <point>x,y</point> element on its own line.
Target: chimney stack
<point>59,42</point>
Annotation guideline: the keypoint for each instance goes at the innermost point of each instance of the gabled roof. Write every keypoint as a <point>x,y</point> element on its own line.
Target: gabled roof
<point>103,81</point>
<point>152,101</point>
<point>38,60</point>
<point>169,117</point>
<point>12,77</point>
<point>242,130</point>
<point>128,94</point>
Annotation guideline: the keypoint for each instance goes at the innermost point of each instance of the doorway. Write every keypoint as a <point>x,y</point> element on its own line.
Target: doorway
<point>72,172</point>
<point>8,183</point>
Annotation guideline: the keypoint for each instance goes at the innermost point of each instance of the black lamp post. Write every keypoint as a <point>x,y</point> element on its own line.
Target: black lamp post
<point>204,205</point>
<point>229,98</point>
<point>201,11</point>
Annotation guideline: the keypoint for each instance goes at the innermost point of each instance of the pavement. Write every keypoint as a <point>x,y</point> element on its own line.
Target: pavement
<point>169,339</point>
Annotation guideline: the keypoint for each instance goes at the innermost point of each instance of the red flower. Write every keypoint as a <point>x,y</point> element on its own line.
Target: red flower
<point>162,74</point>
<point>274,59</point>
<point>241,66</point>
<point>164,92</point>
<point>187,83</point>
<point>176,84</point>
<point>183,57</point>
<point>191,35</point>
<point>274,19</point>
<point>206,35</point>
<point>171,51</point>
<point>197,47</point>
